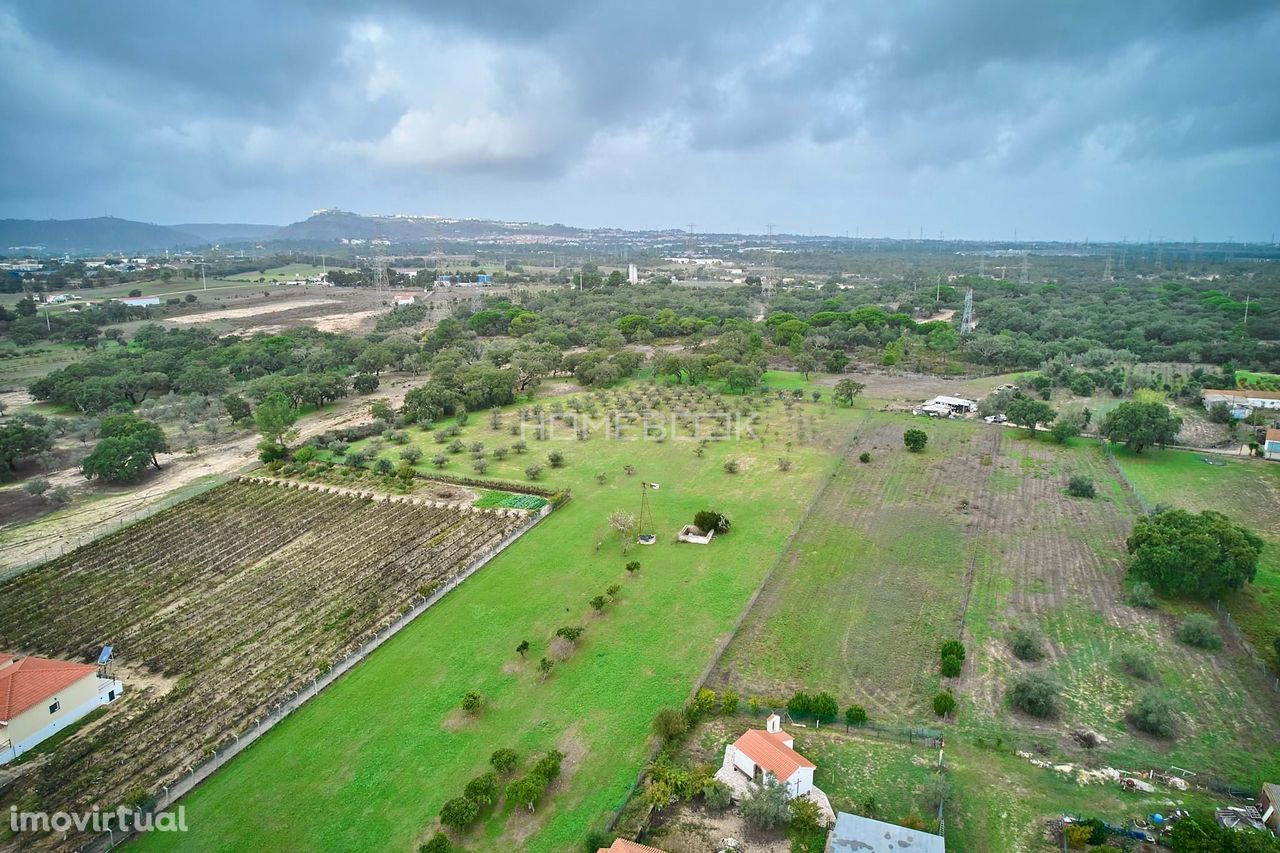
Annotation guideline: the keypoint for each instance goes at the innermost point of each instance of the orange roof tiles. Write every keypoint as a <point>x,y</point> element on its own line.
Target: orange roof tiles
<point>30,681</point>
<point>622,845</point>
<point>770,752</point>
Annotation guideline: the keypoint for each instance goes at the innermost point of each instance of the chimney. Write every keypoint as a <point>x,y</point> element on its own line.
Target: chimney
<point>773,724</point>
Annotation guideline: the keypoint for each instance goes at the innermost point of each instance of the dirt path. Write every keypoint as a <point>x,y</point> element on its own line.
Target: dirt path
<point>49,536</point>
<point>237,313</point>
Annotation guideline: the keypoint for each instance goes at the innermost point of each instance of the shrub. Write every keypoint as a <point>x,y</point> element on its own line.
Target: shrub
<point>438,843</point>
<point>472,702</point>
<point>1036,693</point>
<point>855,715</point>
<point>1138,663</point>
<point>633,566</point>
<point>703,703</point>
<point>731,466</point>
<point>569,632</point>
<point>669,724</point>
<point>533,472</point>
<point>1200,631</point>
<point>707,520</point>
<point>717,795</point>
<point>767,806</point>
<point>864,457</point>
<point>556,459</point>
<point>952,648</point>
<point>729,702</point>
<point>784,463</point>
<point>952,666</point>
<point>1141,594</point>
<point>483,789</point>
<point>544,666</point>
<point>1080,486</point>
<point>824,707</point>
<point>504,760</point>
<point>800,704</point>
<point>944,703</point>
<point>915,440</point>
<point>1153,714</point>
<point>806,819</point>
<point>1026,644</point>
<point>459,813</point>
<point>598,603</point>
<point>36,486</point>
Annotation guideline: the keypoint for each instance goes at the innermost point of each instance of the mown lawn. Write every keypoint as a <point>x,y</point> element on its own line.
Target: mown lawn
<point>368,763</point>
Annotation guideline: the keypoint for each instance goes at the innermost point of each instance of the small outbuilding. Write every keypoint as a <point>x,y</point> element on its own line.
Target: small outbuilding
<point>1271,445</point>
<point>694,534</point>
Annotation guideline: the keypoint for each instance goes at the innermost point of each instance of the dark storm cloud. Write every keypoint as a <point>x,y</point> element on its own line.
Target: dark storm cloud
<point>817,112</point>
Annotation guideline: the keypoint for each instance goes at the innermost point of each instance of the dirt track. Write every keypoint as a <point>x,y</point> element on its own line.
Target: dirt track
<point>84,521</point>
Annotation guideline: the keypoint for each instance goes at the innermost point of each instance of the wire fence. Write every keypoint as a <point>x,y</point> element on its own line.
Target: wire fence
<point>1147,506</point>
<point>1224,615</point>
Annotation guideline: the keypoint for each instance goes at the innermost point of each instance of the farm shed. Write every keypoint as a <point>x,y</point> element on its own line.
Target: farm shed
<point>770,753</point>
<point>1248,400</point>
<point>857,834</point>
<point>1271,445</point>
<point>139,301</point>
<point>933,410</point>
<point>958,405</point>
<point>40,697</point>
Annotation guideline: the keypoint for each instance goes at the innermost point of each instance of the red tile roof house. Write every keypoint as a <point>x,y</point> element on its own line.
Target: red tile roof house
<point>40,697</point>
<point>770,753</point>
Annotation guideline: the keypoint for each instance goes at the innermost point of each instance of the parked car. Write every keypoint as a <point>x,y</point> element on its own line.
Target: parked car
<point>995,419</point>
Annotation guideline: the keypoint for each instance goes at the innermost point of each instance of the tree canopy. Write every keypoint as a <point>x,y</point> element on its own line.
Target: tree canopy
<point>1140,425</point>
<point>1202,555</point>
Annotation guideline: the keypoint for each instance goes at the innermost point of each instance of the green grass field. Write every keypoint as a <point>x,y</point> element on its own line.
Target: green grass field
<point>368,763</point>
<point>1256,379</point>
<point>817,626</point>
<point>1248,491</point>
<point>876,579</point>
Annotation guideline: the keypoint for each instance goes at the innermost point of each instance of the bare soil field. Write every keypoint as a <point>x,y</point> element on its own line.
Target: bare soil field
<point>250,311</point>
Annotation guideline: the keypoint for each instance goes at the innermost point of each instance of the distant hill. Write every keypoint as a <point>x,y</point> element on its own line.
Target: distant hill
<point>214,232</point>
<point>101,234</point>
<point>332,225</point>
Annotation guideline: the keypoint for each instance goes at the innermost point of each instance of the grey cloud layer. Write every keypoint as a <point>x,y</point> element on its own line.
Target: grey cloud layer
<point>1063,116</point>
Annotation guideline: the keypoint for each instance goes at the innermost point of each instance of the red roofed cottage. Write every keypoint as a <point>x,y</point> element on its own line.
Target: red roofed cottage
<point>770,753</point>
<point>39,697</point>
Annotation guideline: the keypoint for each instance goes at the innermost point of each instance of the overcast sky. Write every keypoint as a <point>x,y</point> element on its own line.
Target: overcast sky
<point>1061,120</point>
